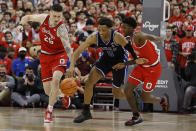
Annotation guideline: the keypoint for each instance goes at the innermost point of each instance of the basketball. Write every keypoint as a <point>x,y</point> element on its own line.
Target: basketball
<point>68,86</point>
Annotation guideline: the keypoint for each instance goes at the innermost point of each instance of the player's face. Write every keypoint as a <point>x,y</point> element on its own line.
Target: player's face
<point>56,17</point>
<point>128,30</point>
<point>103,30</point>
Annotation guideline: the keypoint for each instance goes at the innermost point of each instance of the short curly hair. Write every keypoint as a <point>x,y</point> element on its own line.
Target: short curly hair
<point>130,21</point>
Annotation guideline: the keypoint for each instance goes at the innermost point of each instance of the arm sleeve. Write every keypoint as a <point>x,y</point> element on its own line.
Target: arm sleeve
<point>130,49</point>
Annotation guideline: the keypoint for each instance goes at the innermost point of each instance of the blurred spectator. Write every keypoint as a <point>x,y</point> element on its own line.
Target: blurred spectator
<point>12,29</point>
<point>7,40</point>
<point>66,16</point>
<point>19,5</point>
<point>5,60</point>
<point>191,75</point>
<point>3,8</point>
<point>7,83</point>
<point>72,40</point>
<point>10,53</point>
<point>118,24</point>
<point>171,48</point>
<point>121,7</point>
<point>176,34</point>
<point>91,50</point>
<point>3,25</point>
<point>112,8</point>
<point>7,16</point>
<point>104,8</point>
<point>81,20</point>
<point>19,64</point>
<point>92,11</point>
<point>80,5</point>
<point>73,17</point>
<point>84,65</point>
<point>177,18</point>
<point>73,29</point>
<point>186,45</point>
<point>25,34</point>
<point>33,36</point>
<point>90,26</point>
<point>28,89</point>
<point>36,62</point>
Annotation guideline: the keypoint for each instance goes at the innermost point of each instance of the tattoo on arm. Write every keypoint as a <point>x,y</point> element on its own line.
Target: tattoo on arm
<point>63,34</point>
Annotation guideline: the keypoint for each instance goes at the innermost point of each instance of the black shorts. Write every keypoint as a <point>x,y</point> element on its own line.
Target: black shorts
<point>105,66</point>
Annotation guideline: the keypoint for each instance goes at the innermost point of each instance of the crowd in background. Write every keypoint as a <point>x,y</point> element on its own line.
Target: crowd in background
<point>20,81</point>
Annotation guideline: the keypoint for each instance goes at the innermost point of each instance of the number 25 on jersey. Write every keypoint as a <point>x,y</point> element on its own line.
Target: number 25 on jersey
<point>48,40</point>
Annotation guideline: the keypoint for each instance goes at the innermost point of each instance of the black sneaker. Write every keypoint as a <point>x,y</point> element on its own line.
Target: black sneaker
<point>85,115</point>
<point>165,103</point>
<point>133,121</point>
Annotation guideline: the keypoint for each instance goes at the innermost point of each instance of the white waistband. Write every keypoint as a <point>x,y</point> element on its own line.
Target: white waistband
<point>155,63</point>
<point>47,53</point>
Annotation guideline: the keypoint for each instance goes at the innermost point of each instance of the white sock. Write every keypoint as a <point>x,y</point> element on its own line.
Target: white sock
<point>50,108</point>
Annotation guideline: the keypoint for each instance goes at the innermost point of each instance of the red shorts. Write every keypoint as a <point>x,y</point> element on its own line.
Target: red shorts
<point>51,63</point>
<point>148,75</point>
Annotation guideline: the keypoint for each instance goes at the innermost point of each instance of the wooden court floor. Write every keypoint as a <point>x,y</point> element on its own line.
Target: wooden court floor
<point>19,119</point>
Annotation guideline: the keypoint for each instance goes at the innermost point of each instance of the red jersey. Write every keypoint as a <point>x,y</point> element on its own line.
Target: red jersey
<point>50,42</point>
<point>8,63</point>
<point>99,53</point>
<point>74,46</point>
<point>178,21</point>
<point>149,51</point>
<point>92,53</point>
<point>186,45</point>
<point>168,51</point>
<point>194,20</point>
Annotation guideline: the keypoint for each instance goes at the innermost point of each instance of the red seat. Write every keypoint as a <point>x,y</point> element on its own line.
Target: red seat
<point>103,84</point>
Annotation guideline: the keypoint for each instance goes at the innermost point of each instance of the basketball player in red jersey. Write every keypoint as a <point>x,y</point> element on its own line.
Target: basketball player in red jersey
<point>55,50</point>
<point>148,73</point>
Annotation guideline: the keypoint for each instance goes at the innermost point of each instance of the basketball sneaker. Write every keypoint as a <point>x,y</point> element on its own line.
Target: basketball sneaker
<point>134,120</point>
<point>85,115</point>
<point>165,103</point>
<point>48,116</point>
<point>66,101</point>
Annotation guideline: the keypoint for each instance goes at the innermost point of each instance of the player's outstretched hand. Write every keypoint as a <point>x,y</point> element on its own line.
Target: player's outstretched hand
<point>19,28</point>
<point>119,66</point>
<point>70,72</point>
<point>141,60</point>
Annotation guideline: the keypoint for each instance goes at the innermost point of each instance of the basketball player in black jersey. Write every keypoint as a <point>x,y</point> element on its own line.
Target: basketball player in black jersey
<point>114,47</point>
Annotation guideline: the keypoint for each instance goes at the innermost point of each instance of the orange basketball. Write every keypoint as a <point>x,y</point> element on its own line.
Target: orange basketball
<point>68,86</point>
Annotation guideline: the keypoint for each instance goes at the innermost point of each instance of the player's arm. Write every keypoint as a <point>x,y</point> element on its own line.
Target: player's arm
<point>63,34</point>
<point>131,62</point>
<point>121,40</point>
<point>141,37</point>
<point>89,41</point>
<point>36,18</point>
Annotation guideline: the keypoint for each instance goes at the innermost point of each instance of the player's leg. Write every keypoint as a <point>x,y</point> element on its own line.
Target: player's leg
<point>150,79</point>
<point>94,76</point>
<point>47,87</point>
<point>147,96</point>
<point>53,93</point>
<point>118,92</point>
<point>132,103</point>
<point>134,80</point>
<point>118,83</point>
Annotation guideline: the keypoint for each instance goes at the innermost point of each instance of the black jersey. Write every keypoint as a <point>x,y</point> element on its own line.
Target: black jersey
<point>111,50</point>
